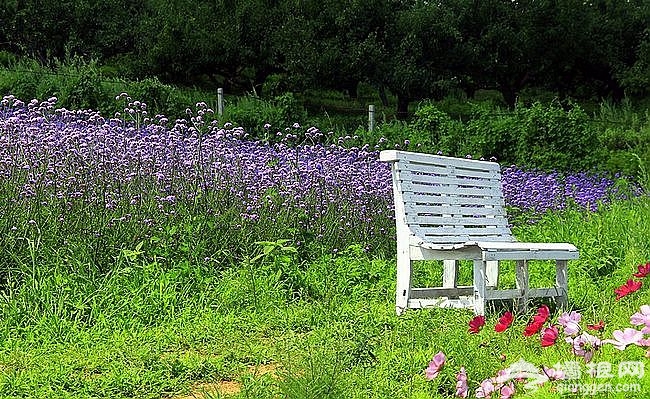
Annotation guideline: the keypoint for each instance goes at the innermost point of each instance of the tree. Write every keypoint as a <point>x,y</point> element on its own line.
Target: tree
<point>421,47</point>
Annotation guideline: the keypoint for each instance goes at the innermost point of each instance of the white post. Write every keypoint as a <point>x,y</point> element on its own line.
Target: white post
<point>492,272</point>
<point>479,287</point>
<point>220,101</point>
<point>561,283</point>
<point>371,117</point>
<point>521,278</point>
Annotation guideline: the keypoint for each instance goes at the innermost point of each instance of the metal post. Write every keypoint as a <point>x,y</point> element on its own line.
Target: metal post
<point>371,117</point>
<point>220,101</point>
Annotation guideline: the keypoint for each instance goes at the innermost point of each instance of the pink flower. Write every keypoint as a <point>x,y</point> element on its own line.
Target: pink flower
<point>642,318</point>
<point>624,338</point>
<point>584,345</point>
<point>502,377</point>
<point>435,365</point>
<point>553,374</point>
<point>504,322</point>
<point>462,388</point>
<point>643,270</point>
<point>507,390</point>
<point>549,336</point>
<point>629,287</point>
<point>476,324</point>
<point>486,389</point>
<point>570,322</point>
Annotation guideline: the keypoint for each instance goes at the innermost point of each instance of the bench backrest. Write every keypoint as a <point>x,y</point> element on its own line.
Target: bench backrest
<point>448,200</point>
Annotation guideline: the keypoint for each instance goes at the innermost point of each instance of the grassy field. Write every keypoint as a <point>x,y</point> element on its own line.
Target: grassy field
<point>162,260</point>
<point>148,330</point>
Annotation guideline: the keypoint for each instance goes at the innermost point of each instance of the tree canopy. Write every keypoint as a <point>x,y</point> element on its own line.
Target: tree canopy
<point>414,48</point>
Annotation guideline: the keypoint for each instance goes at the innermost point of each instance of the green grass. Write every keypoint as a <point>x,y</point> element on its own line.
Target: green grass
<point>147,328</point>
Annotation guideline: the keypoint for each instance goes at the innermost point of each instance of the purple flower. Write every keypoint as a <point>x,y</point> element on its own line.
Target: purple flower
<point>642,318</point>
<point>435,365</point>
<point>570,322</point>
<point>622,339</point>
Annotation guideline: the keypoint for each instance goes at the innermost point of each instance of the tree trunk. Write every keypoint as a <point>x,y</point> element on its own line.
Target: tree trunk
<point>258,81</point>
<point>382,95</point>
<point>509,95</point>
<point>402,106</point>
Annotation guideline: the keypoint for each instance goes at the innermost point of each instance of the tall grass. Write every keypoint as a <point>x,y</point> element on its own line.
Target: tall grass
<point>151,330</point>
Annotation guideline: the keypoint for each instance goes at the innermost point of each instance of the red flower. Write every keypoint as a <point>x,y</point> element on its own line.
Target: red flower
<point>504,322</point>
<point>644,270</point>
<point>538,321</point>
<point>629,287</point>
<point>543,312</point>
<point>600,326</point>
<point>549,336</point>
<point>533,328</point>
<point>476,324</point>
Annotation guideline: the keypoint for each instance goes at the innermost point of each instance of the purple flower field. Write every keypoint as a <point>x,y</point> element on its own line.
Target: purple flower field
<point>136,164</point>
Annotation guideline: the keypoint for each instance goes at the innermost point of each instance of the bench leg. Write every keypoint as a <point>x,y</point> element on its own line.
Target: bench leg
<point>521,278</point>
<point>480,280</point>
<point>403,286</point>
<point>450,274</point>
<point>561,283</point>
<point>492,270</point>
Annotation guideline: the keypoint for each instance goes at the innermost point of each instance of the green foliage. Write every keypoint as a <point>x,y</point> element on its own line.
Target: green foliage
<point>252,113</point>
<point>553,137</point>
<point>541,136</point>
<point>7,59</point>
<point>444,134</point>
<point>83,88</point>
<point>547,135</point>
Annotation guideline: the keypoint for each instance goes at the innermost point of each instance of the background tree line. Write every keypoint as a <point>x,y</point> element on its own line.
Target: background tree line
<point>412,48</point>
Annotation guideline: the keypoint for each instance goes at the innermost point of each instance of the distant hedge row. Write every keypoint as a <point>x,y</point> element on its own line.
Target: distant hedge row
<point>546,135</point>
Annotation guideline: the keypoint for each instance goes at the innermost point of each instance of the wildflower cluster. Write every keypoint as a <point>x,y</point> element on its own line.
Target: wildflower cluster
<point>633,285</point>
<point>538,192</point>
<point>55,156</point>
<point>582,344</point>
<point>144,168</point>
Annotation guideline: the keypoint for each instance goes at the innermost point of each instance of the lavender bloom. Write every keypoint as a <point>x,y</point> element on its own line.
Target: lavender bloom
<point>55,155</point>
<point>79,156</point>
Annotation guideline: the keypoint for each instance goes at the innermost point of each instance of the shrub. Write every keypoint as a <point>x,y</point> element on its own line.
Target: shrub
<point>555,138</point>
<point>253,113</point>
<point>81,87</point>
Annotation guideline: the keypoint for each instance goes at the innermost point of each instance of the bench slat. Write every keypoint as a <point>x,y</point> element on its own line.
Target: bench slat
<point>467,182</point>
<point>393,155</point>
<point>435,192</point>
<point>435,222</point>
<point>438,210</point>
<point>427,199</point>
<point>433,170</point>
<point>460,234</point>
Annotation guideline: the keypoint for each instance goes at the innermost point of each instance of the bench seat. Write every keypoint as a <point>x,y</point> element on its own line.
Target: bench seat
<point>453,209</point>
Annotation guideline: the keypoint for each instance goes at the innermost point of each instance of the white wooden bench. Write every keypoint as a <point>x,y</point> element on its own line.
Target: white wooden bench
<point>452,209</point>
